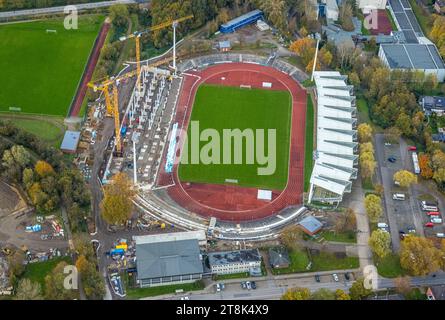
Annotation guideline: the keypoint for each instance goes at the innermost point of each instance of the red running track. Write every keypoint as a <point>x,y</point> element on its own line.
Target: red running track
<point>228,202</point>
<point>88,73</point>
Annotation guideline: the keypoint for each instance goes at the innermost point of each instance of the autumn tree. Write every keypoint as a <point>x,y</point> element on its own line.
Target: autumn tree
<point>405,178</point>
<point>28,290</point>
<point>117,205</point>
<point>380,243</point>
<point>16,266</point>
<point>403,284</point>
<point>364,131</point>
<point>296,294</point>
<point>419,256</point>
<point>358,290</point>
<point>291,236</point>
<point>346,221</point>
<point>341,295</point>
<point>275,11</point>
<point>366,147</point>
<point>367,164</point>
<point>426,170</point>
<point>345,16</point>
<point>43,169</point>
<point>373,207</point>
<point>54,285</point>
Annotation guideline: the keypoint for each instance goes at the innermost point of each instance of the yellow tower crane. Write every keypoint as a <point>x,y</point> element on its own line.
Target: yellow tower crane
<point>112,106</point>
<point>174,23</point>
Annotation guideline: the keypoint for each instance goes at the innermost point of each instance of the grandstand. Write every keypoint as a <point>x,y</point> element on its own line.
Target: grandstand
<point>335,156</point>
<point>241,21</point>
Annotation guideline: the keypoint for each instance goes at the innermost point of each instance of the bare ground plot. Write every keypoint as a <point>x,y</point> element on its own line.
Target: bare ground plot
<point>14,219</point>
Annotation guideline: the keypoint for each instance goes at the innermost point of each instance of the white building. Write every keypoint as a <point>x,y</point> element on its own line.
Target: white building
<point>413,56</point>
<point>335,155</point>
<point>228,262</point>
<point>367,5</point>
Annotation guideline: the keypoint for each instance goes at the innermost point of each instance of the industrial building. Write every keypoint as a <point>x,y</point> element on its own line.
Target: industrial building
<point>228,262</point>
<point>412,56</point>
<point>168,259</point>
<point>70,142</point>
<point>241,21</point>
<point>336,153</point>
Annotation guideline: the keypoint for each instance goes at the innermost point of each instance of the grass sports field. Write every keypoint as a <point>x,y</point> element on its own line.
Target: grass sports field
<point>220,107</point>
<point>40,70</point>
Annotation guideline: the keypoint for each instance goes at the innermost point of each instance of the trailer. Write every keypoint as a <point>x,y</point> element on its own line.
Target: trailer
<point>416,163</point>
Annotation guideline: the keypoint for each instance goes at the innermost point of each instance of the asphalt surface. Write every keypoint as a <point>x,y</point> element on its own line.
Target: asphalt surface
<point>83,6</point>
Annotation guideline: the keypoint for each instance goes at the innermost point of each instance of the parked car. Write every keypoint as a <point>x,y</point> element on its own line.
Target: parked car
<point>335,276</point>
<point>382,225</point>
<point>440,235</point>
<point>412,148</point>
<point>243,285</point>
<point>433,213</point>
<point>248,285</point>
<point>387,144</point>
<point>429,224</point>
<point>317,278</point>
<point>398,196</point>
<point>392,159</point>
<point>218,288</point>
<point>436,220</point>
<point>411,230</point>
<point>347,277</point>
<point>253,285</point>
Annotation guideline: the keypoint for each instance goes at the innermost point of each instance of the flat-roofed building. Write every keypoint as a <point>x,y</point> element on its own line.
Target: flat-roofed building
<point>238,261</point>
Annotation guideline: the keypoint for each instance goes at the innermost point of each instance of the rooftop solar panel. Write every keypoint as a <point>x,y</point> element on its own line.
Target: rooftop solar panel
<point>396,5</point>
<point>405,4</point>
<point>403,21</point>
<point>397,56</point>
<point>410,36</point>
<point>413,20</point>
<point>420,56</point>
<point>436,57</point>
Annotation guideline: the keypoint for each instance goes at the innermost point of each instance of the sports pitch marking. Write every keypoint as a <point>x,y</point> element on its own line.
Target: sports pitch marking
<point>222,107</point>
<point>40,71</point>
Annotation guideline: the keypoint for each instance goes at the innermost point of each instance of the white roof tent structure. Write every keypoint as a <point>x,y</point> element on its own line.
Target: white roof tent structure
<point>336,153</point>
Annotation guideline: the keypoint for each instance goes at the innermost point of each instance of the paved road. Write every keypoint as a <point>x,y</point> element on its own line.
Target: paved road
<point>83,6</point>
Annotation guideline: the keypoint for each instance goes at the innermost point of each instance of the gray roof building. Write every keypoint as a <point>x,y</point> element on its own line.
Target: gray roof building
<point>168,259</point>
<point>310,225</point>
<point>70,141</point>
<point>231,257</point>
<point>422,57</point>
<point>279,257</point>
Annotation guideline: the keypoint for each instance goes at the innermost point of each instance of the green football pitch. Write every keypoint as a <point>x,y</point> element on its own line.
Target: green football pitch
<point>219,108</point>
<point>40,70</point>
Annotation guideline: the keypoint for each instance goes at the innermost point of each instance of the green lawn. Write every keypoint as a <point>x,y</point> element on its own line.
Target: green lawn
<point>327,261</point>
<point>40,70</point>
<point>37,272</point>
<point>233,276</point>
<point>348,237</point>
<point>299,262</point>
<point>220,107</point>
<point>309,143</point>
<point>389,266</point>
<point>137,293</point>
<point>45,130</point>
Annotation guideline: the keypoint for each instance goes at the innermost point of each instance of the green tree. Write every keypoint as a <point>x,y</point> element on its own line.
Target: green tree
<point>54,285</point>
<point>341,295</point>
<point>119,16</point>
<point>291,236</point>
<point>358,290</point>
<point>28,290</point>
<point>323,294</point>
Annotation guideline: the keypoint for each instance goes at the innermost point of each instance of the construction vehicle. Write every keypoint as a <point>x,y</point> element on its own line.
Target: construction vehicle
<point>137,35</point>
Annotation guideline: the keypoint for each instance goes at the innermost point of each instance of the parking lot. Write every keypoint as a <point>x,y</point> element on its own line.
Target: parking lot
<point>402,215</point>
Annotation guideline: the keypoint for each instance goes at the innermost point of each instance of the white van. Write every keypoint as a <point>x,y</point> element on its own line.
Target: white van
<point>440,235</point>
<point>426,206</point>
<point>398,196</point>
<point>436,220</point>
<point>382,225</point>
